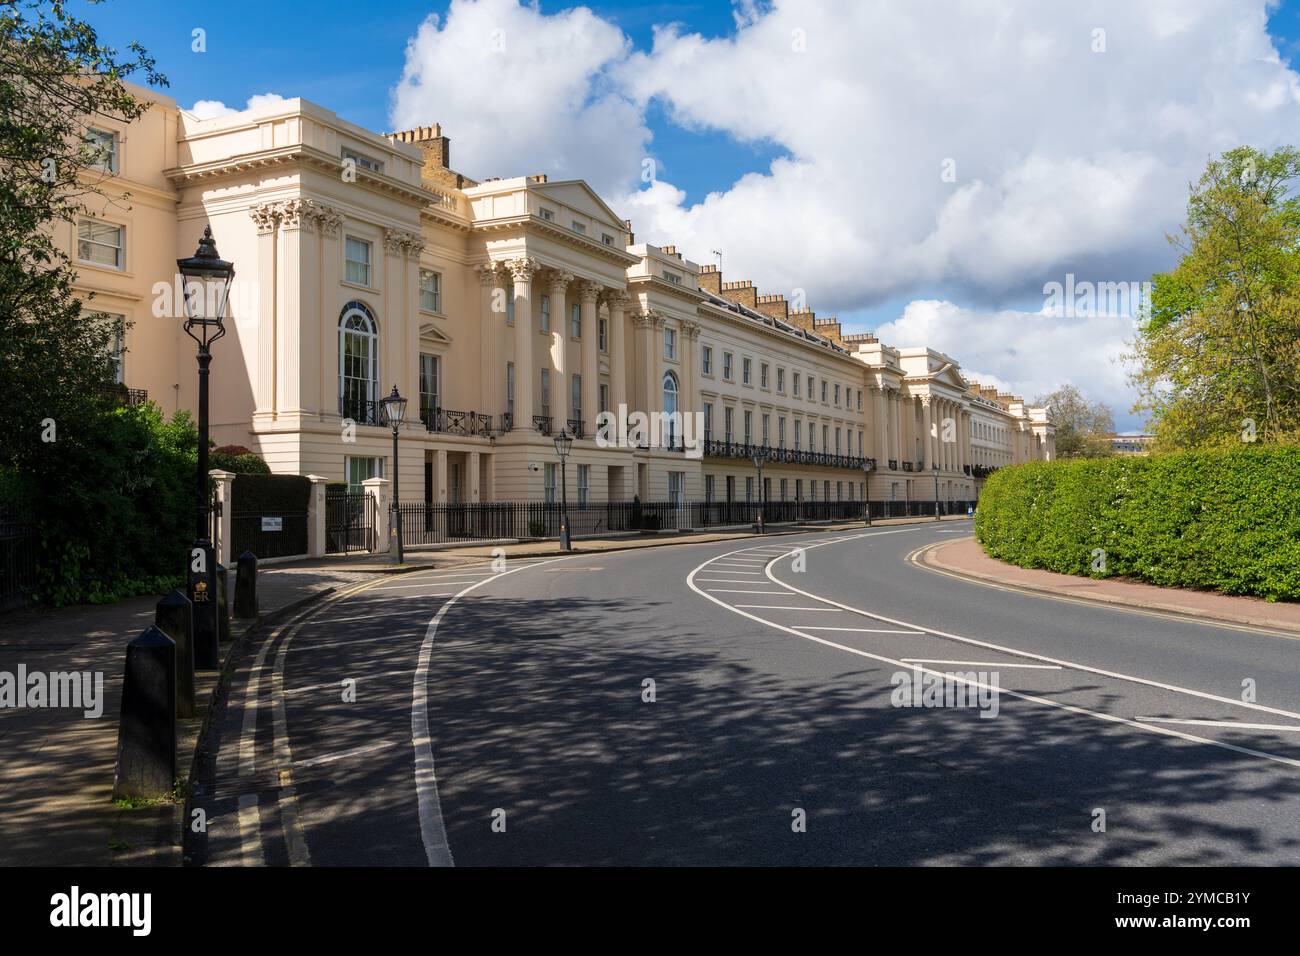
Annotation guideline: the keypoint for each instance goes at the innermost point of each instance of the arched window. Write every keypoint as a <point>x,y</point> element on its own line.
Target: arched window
<point>670,410</point>
<point>358,364</point>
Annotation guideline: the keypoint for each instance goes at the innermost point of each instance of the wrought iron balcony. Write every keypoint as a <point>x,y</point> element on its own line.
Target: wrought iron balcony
<point>507,421</point>
<point>125,396</point>
<point>792,456</point>
<point>542,423</point>
<point>361,411</point>
<point>448,421</point>
<point>575,427</point>
<point>893,464</point>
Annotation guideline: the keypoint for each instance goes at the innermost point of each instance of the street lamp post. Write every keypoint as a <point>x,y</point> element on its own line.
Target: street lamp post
<point>934,467</point>
<point>206,280</point>
<point>394,408</point>
<point>564,442</point>
<point>867,465</point>
<point>760,459</point>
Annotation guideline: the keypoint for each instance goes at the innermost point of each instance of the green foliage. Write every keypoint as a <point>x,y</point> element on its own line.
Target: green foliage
<point>1221,342</point>
<point>118,516</point>
<point>1214,520</point>
<point>237,459</point>
<point>1081,426</point>
<point>271,494</point>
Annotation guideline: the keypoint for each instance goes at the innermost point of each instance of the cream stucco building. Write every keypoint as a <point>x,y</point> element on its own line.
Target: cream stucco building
<point>504,310</point>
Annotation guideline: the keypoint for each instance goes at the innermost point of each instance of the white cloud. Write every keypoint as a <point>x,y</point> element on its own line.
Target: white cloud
<point>211,109</point>
<point>521,92</point>
<point>1029,353</point>
<point>1066,159</point>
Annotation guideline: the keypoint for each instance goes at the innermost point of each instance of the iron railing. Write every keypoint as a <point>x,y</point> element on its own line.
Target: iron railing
<point>349,522</point>
<point>361,411</point>
<point>575,427</point>
<point>542,423</point>
<point>449,421</point>
<point>443,522</point>
<point>247,534</point>
<point>122,395</point>
<point>789,456</point>
<point>17,562</point>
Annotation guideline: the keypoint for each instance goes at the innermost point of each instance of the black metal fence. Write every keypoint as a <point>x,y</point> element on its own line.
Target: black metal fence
<point>17,562</point>
<point>424,523</point>
<point>280,536</point>
<point>349,522</point>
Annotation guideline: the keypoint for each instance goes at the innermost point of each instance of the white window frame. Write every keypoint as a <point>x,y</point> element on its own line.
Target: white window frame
<point>367,264</point>
<point>435,291</point>
<point>119,258</point>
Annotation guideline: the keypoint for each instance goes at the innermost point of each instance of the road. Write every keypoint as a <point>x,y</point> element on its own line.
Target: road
<point>736,703</point>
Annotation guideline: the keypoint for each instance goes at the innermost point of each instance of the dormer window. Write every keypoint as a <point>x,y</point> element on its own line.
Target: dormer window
<point>673,277</point>
<point>579,228</point>
<point>606,238</point>
<point>547,214</point>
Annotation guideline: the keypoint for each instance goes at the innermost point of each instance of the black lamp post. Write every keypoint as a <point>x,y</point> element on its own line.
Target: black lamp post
<point>760,459</point>
<point>206,280</point>
<point>934,467</point>
<point>563,443</point>
<point>394,409</point>
<point>867,465</point>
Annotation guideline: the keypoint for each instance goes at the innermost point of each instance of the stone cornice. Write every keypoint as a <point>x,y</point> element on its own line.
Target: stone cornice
<point>537,226</point>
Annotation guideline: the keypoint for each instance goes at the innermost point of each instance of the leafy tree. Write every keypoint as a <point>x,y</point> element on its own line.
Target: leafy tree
<point>54,355</point>
<point>95,479</point>
<point>1218,355</point>
<point>1081,426</point>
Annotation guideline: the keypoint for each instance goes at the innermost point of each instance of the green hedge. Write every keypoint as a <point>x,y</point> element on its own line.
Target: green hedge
<point>1224,521</point>
<point>270,494</point>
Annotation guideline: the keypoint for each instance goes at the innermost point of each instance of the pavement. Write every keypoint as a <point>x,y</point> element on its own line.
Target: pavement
<point>965,557</point>
<point>750,702</point>
<point>57,766</point>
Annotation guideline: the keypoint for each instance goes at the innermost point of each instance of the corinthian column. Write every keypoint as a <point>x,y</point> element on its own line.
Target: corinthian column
<point>521,272</point>
<point>557,283</point>
<point>617,301</point>
<point>491,316</point>
<point>588,295</point>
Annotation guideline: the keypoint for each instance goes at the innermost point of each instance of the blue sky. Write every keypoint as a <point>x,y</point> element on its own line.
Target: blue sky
<point>319,51</point>
<point>816,174</point>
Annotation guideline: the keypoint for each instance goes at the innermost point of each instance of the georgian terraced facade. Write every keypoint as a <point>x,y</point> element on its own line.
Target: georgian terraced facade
<point>504,310</point>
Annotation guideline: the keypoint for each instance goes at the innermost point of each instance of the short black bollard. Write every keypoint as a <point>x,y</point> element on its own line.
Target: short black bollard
<point>223,604</point>
<point>174,616</point>
<point>146,734</point>
<point>246,586</point>
<point>202,592</point>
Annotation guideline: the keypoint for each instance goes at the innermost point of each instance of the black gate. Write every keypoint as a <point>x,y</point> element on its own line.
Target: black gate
<point>349,522</point>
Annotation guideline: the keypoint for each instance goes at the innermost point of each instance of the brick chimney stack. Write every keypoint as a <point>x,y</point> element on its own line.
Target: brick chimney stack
<point>775,306</point>
<point>741,293</point>
<point>711,279</point>
<point>437,155</point>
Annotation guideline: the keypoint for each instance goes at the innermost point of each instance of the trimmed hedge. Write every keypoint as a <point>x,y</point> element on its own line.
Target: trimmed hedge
<point>1225,521</point>
<point>270,494</point>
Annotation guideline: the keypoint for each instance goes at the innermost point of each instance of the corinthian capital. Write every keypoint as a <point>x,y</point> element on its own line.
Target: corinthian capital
<point>558,281</point>
<point>690,330</point>
<point>265,216</point>
<point>522,268</point>
<point>589,291</point>
<point>615,298</point>
<point>489,274</point>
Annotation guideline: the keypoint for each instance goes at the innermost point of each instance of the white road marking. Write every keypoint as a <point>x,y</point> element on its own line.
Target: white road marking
<point>433,832</point>
<point>860,630</point>
<point>988,645</point>
<point>742,591</point>
<point>250,831</point>
<point>782,607</point>
<point>727,581</point>
<point>1070,708</point>
<point>1221,723</point>
<point>425,584</point>
<point>337,685</point>
<point>345,754</point>
<point>1035,667</point>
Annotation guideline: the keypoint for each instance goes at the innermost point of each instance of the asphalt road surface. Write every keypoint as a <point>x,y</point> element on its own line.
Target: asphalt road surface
<point>742,703</point>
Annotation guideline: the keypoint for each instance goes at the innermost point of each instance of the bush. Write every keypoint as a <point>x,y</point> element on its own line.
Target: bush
<point>1226,521</point>
<point>237,459</point>
<point>112,503</point>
